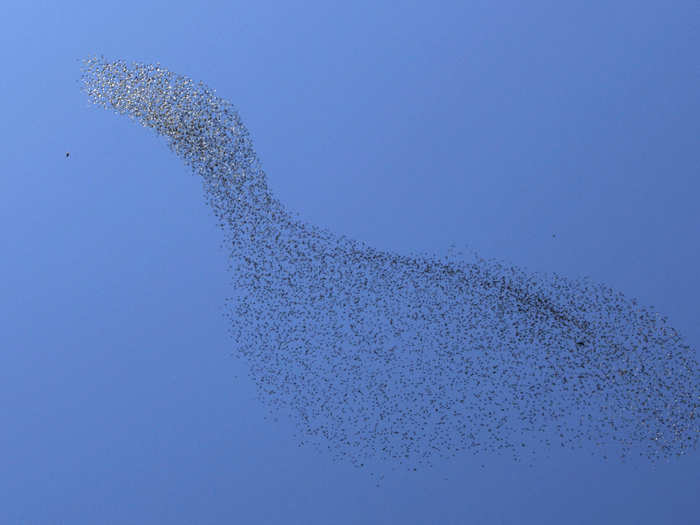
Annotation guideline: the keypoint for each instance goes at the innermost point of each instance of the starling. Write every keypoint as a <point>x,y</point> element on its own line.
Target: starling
<point>376,354</point>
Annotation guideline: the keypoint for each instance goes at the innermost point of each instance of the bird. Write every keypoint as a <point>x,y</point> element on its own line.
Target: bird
<point>67,154</point>
<point>376,354</point>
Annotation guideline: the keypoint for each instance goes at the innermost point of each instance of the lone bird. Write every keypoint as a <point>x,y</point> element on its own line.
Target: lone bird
<point>67,154</point>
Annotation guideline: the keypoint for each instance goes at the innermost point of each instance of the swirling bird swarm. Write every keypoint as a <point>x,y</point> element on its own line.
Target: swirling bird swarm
<point>377,355</point>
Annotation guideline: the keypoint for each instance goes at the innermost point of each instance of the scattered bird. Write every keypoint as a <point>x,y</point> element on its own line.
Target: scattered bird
<point>376,354</point>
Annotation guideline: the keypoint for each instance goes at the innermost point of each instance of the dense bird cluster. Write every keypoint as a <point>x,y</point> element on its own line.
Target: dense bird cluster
<point>381,355</point>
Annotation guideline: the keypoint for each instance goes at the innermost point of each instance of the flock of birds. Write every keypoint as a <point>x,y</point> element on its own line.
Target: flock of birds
<point>381,356</point>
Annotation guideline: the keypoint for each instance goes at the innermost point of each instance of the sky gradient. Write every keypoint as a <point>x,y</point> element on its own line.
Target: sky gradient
<point>558,138</point>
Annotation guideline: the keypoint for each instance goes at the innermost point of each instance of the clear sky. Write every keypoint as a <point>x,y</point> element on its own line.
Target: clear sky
<point>557,136</point>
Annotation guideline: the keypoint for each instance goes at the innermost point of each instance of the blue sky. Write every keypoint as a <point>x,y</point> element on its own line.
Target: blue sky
<point>411,127</point>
